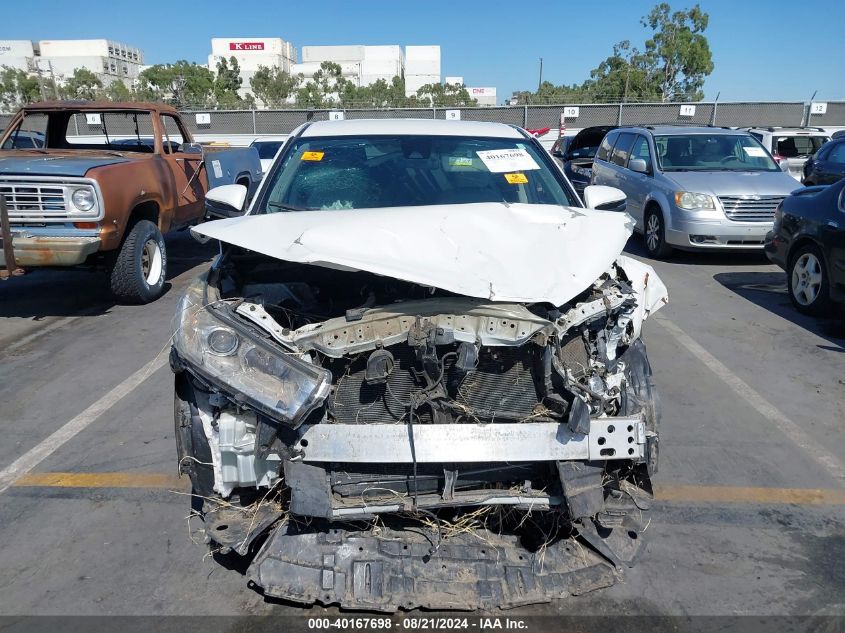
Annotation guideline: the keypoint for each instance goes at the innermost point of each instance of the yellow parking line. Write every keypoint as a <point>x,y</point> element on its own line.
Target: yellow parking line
<point>663,492</point>
<point>100,480</point>
<point>735,494</point>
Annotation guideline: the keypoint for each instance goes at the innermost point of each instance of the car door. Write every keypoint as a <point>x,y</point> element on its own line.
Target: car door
<point>621,178</point>
<point>602,172</point>
<point>832,168</point>
<point>189,182</point>
<point>639,184</point>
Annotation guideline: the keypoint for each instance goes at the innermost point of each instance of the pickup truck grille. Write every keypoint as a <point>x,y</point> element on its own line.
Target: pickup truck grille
<point>750,208</point>
<point>28,200</point>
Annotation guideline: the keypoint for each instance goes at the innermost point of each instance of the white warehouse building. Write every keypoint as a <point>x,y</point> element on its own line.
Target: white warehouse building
<point>362,65</point>
<point>422,66</point>
<point>110,61</point>
<point>252,53</point>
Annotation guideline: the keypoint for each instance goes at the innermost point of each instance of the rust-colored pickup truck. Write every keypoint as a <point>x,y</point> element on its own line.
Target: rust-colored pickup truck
<point>97,184</point>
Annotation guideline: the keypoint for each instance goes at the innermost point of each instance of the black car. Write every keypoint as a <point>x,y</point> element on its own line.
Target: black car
<point>808,242</point>
<point>579,154</point>
<point>827,165</point>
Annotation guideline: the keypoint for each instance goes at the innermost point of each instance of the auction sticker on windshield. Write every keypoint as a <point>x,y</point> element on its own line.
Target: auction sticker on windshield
<point>756,152</point>
<point>316,156</point>
<point>516,179</point>
<point>501,160</point>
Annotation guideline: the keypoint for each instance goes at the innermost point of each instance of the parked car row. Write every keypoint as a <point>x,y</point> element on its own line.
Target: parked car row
<point>707,188</point>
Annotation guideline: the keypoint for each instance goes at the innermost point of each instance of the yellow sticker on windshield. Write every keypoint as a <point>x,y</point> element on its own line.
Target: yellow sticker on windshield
<point>315,156</point>
<point>516,179</point>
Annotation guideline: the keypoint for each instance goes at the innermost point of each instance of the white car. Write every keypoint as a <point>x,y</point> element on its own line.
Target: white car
<point>417,365</point>
<point>267,147</point>
<point>791,146</point>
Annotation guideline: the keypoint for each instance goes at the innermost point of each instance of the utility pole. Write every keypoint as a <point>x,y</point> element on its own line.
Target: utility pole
<point>540,83</point>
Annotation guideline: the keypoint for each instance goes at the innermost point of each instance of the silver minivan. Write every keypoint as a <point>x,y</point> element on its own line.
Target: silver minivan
<point>693,187</point>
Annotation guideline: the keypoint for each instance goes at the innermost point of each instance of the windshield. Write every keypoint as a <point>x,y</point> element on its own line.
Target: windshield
<point>712,152</point>
<point>400,171</point>
<point>267,149</point>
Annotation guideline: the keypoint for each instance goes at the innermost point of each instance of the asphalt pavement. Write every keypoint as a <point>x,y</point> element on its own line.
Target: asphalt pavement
<point>750,510</point>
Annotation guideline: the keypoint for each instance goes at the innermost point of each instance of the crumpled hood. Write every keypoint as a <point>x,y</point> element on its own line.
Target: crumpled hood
<point>740,183</point>
<point>518,252</point>
<point>52,165</point>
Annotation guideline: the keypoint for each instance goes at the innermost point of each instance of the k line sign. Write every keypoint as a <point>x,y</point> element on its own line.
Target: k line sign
<point>246,46</point>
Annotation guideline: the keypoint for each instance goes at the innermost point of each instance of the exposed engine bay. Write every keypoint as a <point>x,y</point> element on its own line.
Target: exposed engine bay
<point>366,438</point>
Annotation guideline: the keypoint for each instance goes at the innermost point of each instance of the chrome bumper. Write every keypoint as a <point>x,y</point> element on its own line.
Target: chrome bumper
<point>52,246</point>
<point>714,230</point>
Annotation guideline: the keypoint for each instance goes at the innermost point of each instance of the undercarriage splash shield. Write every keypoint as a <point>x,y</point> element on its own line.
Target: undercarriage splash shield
<point>391,570</point>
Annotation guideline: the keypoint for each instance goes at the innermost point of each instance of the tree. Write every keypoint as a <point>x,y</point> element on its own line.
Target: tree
<point>227,83</point>
<point>445,95</point>
<point>117,91</point>
<point>679,51</point>
<point>82,84</point>
<point>325,88</point>
<point>273,86</point>
<point>672,66</point>
<point>17,88</point>
<point>183,83</point>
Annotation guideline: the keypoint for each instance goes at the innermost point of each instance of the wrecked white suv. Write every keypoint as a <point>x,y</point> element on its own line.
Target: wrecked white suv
<point>414,375</point>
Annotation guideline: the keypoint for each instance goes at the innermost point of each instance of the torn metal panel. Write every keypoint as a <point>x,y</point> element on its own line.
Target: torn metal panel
<point>498,252</point>
<point>395,570</point>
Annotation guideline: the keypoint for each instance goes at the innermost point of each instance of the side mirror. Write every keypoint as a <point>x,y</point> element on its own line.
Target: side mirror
<point>638,165</point>
<point>604,198</point>
<point>191,148</point>
<point>226,201</point>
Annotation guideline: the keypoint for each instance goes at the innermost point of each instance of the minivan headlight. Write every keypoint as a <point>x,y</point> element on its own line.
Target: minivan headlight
<point>271,380</point>
<point>694,201</point>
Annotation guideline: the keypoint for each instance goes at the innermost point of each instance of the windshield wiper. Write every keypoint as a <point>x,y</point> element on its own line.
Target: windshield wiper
<point>285,207</point>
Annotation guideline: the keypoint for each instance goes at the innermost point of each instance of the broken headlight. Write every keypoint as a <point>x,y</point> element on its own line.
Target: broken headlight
<point>273,381</point>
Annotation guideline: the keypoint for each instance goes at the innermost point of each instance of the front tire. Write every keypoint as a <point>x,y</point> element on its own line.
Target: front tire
<point>807,280</point>
<point>654,234</point>
<point>140,266</point>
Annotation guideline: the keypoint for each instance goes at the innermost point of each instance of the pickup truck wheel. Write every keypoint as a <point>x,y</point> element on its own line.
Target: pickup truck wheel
<point>141,265</point>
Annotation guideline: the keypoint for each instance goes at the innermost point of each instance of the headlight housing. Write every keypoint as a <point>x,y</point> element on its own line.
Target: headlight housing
<point>84,199</point>
<point>275,382</point>
<point>694,201</point>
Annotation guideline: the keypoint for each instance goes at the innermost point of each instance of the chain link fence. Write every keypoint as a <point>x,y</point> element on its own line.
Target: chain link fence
<point>734,114</point>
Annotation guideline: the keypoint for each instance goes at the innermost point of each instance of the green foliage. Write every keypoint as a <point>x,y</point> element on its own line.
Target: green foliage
<point>17,88</point>
<point>672,66</point>
<point>445,95</point>
<point>82,84</point>
<point>273,86</point>
<point>227,83</point>
<point>183,83</point>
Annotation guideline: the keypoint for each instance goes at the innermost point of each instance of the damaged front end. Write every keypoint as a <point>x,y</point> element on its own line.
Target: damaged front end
<point>380,444</point>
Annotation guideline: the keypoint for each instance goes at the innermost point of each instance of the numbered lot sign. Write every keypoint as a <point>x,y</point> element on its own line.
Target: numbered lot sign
<point>570,112</point>
<point>336,115</point>
<point>453,115</point>
<point>687,110</point>
<point>203,118</point>
<point>818,108</point>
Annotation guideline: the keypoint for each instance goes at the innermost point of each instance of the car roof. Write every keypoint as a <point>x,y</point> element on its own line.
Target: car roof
<point>424,127</point>
<point>270,139</point>
<point>669,130</point>
<point>791,130</point>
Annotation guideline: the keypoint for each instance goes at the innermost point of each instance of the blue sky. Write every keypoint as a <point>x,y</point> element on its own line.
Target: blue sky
<point>766,49</point>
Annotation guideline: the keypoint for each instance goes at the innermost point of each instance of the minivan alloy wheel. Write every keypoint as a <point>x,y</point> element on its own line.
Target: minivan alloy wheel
<point>806,279</point>
<point>652,232</point>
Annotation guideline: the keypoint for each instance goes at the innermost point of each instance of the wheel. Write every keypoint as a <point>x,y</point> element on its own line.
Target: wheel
<point>140,267</point>
<point>808,282</point>
<point>655,234</point>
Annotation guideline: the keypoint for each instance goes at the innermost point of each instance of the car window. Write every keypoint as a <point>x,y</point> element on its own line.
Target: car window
<point>398,171</point>
<point>622,149</point>
<point>837,153</point>
<point>123,131</point>
<point>757,135</point>
<point>798,146</point>
<point>606,146</point>
<point>712,152</point>
<point>31,132</point>
<point>173,134</point>
<point>267,149</point>
<point>641,150</point>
